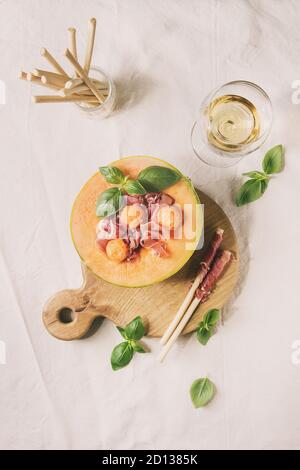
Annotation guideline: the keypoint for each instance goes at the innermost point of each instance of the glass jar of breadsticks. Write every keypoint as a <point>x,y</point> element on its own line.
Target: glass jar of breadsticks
<point>88,87</point>
<point>107,89</point>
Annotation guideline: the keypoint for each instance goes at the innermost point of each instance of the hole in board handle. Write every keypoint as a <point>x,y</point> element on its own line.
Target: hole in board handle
<point>66,315</point>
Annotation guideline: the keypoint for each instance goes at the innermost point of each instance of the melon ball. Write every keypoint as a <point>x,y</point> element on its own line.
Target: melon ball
<point>132,215</point>
<point>117,250</point>
<point>170,217</point>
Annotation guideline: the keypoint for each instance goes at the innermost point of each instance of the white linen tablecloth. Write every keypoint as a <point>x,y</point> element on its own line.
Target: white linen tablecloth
<point>165,56</point>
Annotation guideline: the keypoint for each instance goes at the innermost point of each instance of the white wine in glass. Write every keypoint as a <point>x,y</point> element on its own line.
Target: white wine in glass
<point>234,121</point>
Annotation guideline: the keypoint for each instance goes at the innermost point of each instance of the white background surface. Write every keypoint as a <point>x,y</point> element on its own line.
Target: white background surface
<point>164,56</point>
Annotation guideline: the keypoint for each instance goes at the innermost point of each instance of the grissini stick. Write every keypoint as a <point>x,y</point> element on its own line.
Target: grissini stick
<point>38,81</point>
<point>51,83</point>
<point>84,76</point>
<point>205,264</point>
<point>54,77</point>
<point>183,322</point>
<point>82,89</point>
<point>72,38</point>
<point>201,294</point>
<point>90,45</point>
<point>32,78</point>
<point>74,82</point>
<point>72,42</point>
<point>64,99</point>
<point>22,75</point>
<point>53,62</point>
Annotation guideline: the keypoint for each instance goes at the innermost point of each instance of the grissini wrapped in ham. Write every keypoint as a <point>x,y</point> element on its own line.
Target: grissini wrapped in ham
<point>222,260</point>
<point>205,264</point>
<point>210,254</point>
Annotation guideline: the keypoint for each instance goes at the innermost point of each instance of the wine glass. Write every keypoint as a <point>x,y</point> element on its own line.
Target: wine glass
<point>234,121</point>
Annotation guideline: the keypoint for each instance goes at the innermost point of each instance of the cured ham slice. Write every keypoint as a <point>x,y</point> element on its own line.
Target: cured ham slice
<point>159,198</point>
<point>214,274</point>
<point>134,199</point>
<point>152,198</point>
<point>210,254</point>
<point>150,231</point>
<point>147,234</point>
<point>166,199</point>
<point>133,240</point>
<point>155,200</point>
<point>160,248</point>
<point>151,238</point>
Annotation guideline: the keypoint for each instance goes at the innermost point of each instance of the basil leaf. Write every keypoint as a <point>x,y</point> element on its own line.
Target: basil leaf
<point>203,335</point>
<point>158,178</point>
<point>273,160</point>
<point>249,192</point>
<point>202,392</point>
<point>256,175</point>
<point>264,185</point>
<point>137,347</point>
<point>122,331</point>
<point>109,202</point>
<point>121,355</point>
<point>112,174</point>
<point>135,329</point>
<point>212,317</point>
<point>134,187</point>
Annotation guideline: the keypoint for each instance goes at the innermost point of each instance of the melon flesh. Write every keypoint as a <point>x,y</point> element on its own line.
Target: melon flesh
<point>147,268</point>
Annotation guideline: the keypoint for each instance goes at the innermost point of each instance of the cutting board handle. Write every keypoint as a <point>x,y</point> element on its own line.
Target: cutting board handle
<point>70,313</point>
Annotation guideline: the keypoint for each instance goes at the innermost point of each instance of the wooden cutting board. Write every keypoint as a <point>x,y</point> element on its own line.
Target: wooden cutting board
<point>69,314</point>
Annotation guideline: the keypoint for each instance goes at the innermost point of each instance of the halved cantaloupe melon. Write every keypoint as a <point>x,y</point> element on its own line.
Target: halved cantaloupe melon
<point>147,269</point>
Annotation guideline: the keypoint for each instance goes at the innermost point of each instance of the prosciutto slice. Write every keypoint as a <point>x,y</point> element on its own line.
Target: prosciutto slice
<point>148,235</point>
<point>133,239</point>
<point>159,198</point>
<point>166,199</point>
<point>134,199</point>
<point>150,230</point>
<point>152,198</point>
<point>222,259</point>
<point>111,228</point>
<point>155,200</point>
<point>160,248</point>
<point>151,238</point>
<point>210,254</point>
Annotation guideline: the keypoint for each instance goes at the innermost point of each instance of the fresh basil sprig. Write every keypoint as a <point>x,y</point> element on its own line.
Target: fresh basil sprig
<point>112,174</point>
<point>109,202</point>
<point>255,187</point>
<point>121,355</point>
<point>158,178</point>
<point>202,392</point>
<point>123,352</point>
<point>133,187</point>
<point>151,179</point>
<point>273,160</point>
<point>206,327</point>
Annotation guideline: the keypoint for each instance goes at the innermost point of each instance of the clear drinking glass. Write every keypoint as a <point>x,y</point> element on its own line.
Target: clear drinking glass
<point>106,108</point>
<point>234,121</point>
